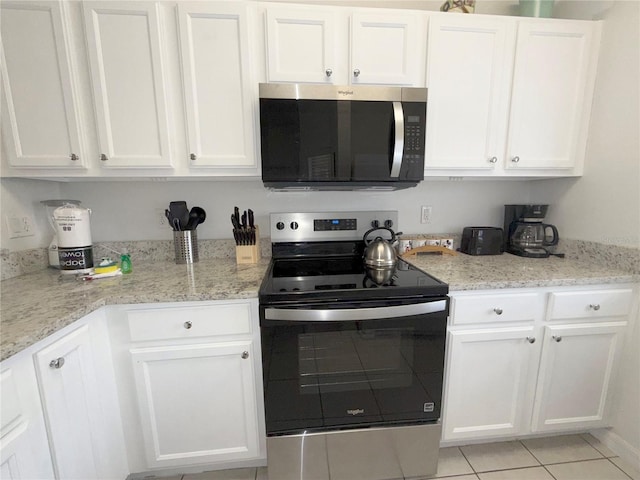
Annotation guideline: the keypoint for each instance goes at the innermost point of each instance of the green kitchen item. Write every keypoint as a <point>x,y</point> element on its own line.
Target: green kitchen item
<point>536,8</point>
<point>125,262</point>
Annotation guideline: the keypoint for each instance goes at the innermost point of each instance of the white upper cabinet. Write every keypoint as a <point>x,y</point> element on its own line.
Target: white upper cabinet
<point>549,102</point>
<point>386,48</point>
<point>129,83</point>
<point>40,117</point>
<point>311,44</point>
<point>468,76</point>
<point>508,96</point>
<point>301,45</point>
<point>218,85</point>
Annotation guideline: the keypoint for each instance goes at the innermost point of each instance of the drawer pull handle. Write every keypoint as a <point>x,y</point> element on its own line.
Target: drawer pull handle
<point>557,338</point>
<point>245,354</point>
<point>57,363</point>
<point>188,324</point>
<point>595,307</point>
<point>493,160</point>
<point>498,311</point>
<point>531,339</point>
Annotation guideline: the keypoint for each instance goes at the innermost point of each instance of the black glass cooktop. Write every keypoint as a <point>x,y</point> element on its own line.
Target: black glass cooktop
<point>344,278</point>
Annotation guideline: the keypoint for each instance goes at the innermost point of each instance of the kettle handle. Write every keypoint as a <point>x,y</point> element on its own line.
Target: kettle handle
<point>556,237</point>
<point>367,242</point>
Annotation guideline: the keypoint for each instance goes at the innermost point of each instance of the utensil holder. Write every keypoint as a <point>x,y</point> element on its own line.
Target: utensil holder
<point>186,246</point>
<point>249,253</point>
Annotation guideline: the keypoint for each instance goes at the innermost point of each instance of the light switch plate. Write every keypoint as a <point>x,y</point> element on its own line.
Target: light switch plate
<point>20,226</point>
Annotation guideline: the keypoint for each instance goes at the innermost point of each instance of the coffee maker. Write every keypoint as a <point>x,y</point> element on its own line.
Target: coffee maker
<point>525,234</point>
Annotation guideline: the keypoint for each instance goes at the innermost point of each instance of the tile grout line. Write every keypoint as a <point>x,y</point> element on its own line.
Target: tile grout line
<point>541,464</point>
<point>614,464</point>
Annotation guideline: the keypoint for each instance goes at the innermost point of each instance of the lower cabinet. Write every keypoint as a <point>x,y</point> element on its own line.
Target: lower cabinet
<point>78,391</point>
<point>488,388</point>
<point>197,402</point>
<point>24,450</point>
<point>575,374</point>
<point>534,360</point>
<point>190,385</point>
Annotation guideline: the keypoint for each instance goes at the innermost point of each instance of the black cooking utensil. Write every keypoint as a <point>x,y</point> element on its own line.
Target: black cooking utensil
<point>197,215</point>
<point>180,211</point>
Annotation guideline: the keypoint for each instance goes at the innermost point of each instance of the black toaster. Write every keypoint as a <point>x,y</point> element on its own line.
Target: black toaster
<point>481,241</point>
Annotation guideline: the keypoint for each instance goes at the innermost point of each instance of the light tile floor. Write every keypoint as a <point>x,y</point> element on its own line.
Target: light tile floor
<point>567,457</point>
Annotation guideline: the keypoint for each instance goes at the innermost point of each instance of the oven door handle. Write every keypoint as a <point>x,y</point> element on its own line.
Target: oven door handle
<point>350,314</point>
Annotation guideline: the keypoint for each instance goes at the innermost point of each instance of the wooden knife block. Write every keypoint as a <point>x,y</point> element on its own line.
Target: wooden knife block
<point>249,253</point>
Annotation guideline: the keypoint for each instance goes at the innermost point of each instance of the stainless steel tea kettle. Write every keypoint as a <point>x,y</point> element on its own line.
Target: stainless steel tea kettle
<point>379,252</point>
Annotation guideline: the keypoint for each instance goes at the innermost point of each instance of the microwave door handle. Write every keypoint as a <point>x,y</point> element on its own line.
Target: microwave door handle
<point>398,144</point>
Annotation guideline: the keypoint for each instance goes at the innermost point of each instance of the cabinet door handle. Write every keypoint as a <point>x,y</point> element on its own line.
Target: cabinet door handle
<point>515,159</point>
<point>557,338</point>
<point>595,307</point>
<point>493,160</point>
<point>57,363</point>
<point>193,157</point>
<point>103,157</point>
<point>531,339</point>
<point>356,73</point>
<point>328,72</point>
<point>188,324</point>
<point>245,354</point>
<point>74,157</point>
<point>498,311</point>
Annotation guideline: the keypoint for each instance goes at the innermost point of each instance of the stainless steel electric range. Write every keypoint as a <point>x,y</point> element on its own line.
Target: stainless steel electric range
<point>350,357</point>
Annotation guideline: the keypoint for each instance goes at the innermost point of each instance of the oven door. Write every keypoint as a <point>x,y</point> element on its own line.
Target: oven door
<point>338,366</point>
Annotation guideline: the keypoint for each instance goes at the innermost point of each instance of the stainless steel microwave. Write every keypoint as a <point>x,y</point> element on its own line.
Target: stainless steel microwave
<point>327,137</point>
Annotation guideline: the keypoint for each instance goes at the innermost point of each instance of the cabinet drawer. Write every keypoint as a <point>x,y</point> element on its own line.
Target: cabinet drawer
<point>189,322</point>
<point>590,304</point>
<point>501,307</point>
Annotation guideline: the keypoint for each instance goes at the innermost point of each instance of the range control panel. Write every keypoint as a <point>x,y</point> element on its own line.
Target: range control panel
<point>328,226</point>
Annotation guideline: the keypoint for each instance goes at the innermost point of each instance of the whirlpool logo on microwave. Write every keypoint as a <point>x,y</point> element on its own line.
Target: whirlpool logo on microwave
<point>356,411</point>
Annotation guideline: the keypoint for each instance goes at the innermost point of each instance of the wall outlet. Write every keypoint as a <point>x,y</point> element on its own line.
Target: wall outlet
<point>161,219</point>
<point>425,214</point>
<point>20,226</point>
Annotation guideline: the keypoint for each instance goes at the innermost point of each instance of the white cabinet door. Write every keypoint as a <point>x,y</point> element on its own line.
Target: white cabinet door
<point>470,61</point>
<point>218,86</point>
<point>79,427</point>
<point>197,403</point>
<point>551,97</point>
<point>129,83</point>
<point>301,45</point>
<point>24,450</point>
<point>575,374</point>
<point>386,48</point>
<point>40,118</point>
<point>489,382</point>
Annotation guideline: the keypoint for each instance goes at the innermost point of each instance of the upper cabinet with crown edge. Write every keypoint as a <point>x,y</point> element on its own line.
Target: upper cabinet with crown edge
<point>509,96</point>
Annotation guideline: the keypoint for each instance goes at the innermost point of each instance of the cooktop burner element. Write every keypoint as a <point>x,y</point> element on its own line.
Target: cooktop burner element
<point>320,256</point>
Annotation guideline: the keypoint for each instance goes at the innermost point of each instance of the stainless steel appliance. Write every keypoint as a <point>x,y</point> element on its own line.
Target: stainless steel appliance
<point>526,235</point>
<point>327,137</point>
<point>352,359</point>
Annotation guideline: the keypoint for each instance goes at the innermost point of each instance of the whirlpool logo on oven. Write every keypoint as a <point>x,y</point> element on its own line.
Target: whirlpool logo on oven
<point>356,411</point>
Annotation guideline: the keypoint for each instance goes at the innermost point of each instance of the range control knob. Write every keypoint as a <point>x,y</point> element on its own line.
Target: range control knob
<point>280,226</point>
<point>388,223</point>
<point>294,225</point>
<point>375,223</point>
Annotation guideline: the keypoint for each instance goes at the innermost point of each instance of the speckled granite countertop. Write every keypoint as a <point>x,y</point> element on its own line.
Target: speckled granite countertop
<point>38,304</point>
